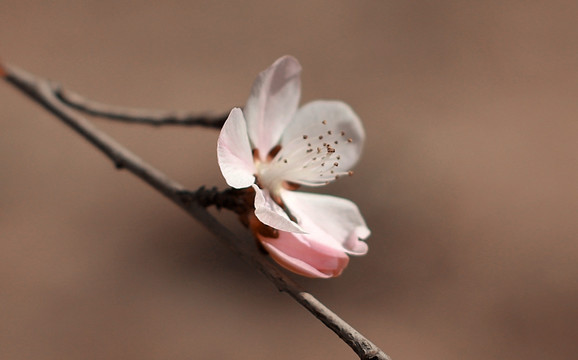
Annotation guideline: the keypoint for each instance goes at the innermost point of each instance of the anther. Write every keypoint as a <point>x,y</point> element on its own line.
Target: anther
<point>336,164</point>
<point>342,133</point>
<point>336,142</point>
<point>322,164</point>
<point>320,137</point>
<point>329,132</point>
<point>349,140</point>
<point>285,161</point>
<point>338,157</point>
<point>324,122</point>
<point>350,173</point>
<point>305,136</point>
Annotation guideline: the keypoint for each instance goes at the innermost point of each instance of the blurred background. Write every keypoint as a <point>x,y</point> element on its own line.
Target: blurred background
<point>468,181</point>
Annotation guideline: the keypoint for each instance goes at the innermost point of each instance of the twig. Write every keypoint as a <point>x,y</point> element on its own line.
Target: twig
<point>46,94</point>
<point>142,116</point>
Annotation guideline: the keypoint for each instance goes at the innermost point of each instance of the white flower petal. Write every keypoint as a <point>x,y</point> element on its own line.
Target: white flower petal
<point>234,152</point>
<point>269,213</point>
<point>339,219</point>
<point>273,101</point>
<point>329,119</point>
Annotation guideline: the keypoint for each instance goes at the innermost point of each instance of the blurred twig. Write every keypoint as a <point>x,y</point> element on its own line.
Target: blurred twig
<point>50,97</point>
<point>142,116</point>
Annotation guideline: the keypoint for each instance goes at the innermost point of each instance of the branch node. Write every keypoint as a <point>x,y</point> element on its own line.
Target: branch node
<point>230,199</point>
<point>119,164</point>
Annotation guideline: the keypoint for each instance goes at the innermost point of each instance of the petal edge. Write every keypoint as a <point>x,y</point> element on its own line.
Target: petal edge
<point>273,102</point>
<point>336,222</point>
<point>269,213</point>
<point>234,152</point>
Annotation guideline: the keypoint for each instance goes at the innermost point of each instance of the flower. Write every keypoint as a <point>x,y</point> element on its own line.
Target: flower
<point>274,147</point>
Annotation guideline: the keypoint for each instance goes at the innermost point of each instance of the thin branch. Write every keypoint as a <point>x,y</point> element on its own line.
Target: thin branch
<point>141,116</point>
<point>46,94</point>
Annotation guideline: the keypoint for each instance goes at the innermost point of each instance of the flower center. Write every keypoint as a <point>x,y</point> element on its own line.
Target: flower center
<point>312,159</point>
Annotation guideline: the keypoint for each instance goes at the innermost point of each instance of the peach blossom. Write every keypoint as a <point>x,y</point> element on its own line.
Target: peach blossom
<point>274,147</point>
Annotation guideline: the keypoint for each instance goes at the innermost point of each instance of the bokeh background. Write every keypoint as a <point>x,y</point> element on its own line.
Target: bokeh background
<point>468,181</point>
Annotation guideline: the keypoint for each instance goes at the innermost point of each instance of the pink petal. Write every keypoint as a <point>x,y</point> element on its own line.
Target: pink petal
<point>312,259</point>
<point>335,222</point>
<point>269,213</point>
<point>317,117</point>
<point>234,152</point>
<point>273,101</point>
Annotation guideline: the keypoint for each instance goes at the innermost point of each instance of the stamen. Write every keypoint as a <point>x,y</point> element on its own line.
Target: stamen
<point>309,167</point>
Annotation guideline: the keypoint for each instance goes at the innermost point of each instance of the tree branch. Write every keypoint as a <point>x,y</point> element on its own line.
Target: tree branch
<point>141,116</point>
<point>50,97</point>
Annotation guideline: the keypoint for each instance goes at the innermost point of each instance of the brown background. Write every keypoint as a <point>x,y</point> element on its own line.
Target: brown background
<point>469,180</point>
